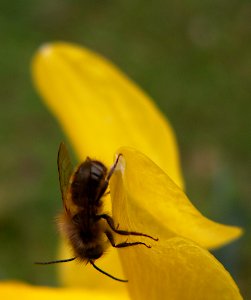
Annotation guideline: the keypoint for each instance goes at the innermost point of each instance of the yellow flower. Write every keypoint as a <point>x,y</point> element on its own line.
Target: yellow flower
<point>102,111</point>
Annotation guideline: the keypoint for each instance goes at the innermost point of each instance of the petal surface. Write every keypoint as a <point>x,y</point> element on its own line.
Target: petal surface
<point>11,290</point>
<point>146,200</point>
<point>145,194</point>
<point>176,269</point>
<point>101,109</point>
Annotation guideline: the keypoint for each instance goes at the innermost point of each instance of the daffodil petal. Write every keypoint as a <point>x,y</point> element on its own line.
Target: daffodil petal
<point>147,200</point>
<point>12,290</point>
<point>176,269</point>
<point>100,108</point>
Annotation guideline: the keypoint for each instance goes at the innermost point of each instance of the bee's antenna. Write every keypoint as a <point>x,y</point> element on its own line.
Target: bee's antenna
<point>109,275</point>
<point>55,261</point>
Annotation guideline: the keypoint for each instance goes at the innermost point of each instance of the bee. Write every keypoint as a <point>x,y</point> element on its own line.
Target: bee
<point>87,228</point>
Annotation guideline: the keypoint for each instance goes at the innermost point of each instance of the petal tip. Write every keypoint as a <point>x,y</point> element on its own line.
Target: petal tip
<point>45,49</point>
<point>239,231</point>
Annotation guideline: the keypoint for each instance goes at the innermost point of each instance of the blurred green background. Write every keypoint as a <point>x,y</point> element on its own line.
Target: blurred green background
<point>192,57</point>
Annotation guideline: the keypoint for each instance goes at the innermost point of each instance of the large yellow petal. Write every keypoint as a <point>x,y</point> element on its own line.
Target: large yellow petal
<point>176,269</point>
<point>11,290</point>
<point>100,108</point>
<point>146,200</point>
<point>144,195</point>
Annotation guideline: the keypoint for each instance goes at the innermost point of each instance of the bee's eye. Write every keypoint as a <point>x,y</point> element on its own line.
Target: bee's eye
<point>96,172</point>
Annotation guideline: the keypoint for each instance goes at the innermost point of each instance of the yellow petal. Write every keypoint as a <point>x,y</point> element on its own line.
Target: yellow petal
<point>11,290</point>
<point>100,109</point>
<point>176,269</point>
<point>145,198</point>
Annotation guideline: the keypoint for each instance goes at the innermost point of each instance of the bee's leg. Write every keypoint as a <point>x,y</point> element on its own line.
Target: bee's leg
<point>124,244</point>
<point>113,168</point>
<point>55,261</point>
<point>110,222</point>
<point>102,192</point>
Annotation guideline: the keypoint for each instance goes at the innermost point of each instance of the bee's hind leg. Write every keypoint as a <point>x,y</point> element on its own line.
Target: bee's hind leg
<point>124,244</point>
<point>110,222</point>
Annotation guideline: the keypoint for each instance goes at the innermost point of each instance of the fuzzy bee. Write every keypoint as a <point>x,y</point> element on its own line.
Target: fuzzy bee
<point>88,230</point>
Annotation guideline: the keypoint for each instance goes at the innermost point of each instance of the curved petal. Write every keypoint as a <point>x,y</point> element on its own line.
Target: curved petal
<point>11,290</point>
<point>100,108</point>
<point>176,269</point>
<point>146,200</point>
<point>142,191</point>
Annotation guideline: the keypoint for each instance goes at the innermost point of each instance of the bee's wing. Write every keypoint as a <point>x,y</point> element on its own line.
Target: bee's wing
<point>65,171</point>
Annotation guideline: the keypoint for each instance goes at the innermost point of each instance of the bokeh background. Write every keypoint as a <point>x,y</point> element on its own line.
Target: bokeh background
<point>193,57</point>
